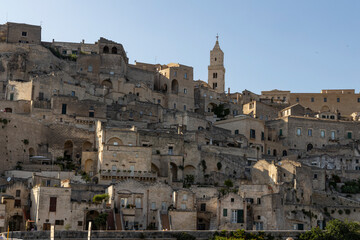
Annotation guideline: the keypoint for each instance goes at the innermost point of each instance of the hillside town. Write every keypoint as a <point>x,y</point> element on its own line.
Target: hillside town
<point>87,136</point>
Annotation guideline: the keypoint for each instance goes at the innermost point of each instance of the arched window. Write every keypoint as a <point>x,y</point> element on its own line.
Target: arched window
<point>114,50</point>
<point>214,75</point>
<point>106,49</point>
<point>309,147</point>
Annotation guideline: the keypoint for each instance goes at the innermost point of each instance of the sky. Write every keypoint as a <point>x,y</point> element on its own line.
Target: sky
<point>301,46</point>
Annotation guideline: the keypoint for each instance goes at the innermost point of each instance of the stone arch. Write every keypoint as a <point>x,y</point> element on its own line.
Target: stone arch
<point>164,87</point>
<point>189,170</point>
<point>87,146</point>
<point>325,109</point>
<point>114,50</point>
<point>16,223</point>
<point>155,169</point>
<point>309,147</point>
<point>8,110</point>
<point>173,170</point>
<point>106,83</point>
<point>68,149</point>
<point>90,217</point>
<point>210,107</point>
<point>31,152</point>
<point>174,86</point>
<point>115,141</point>
<point>106,49</point>
<point>284,153</point>
<point>89,166</point>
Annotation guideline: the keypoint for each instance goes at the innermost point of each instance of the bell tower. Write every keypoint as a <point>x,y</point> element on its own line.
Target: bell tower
<point>216,70</point>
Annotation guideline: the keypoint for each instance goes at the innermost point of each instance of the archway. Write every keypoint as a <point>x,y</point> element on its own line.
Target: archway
<point>173,170</point>
<point>107,83</point>
<point>164,88</point>
<point>16,223</point>
<point>284,153</point>
<point>87,146</point>
<point>115,141</point>
<point>309,147</point>
<point>31,152</point>
<point>9,110</point>
<point>68,149</point>
<point>89,166</point>
<point>114,50</point>
<point>189,170</point>
<point>274,153</point>
<point>174,86</point>
<point>106,49</point>
<point>155,169</point>
<point>210,107</point>
<point>90,217</point>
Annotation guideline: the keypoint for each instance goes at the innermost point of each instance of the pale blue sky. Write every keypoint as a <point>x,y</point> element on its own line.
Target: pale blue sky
<point>302,46</point>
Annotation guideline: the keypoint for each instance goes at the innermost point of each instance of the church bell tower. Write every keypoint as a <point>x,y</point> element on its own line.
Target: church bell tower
<point>216,70</point>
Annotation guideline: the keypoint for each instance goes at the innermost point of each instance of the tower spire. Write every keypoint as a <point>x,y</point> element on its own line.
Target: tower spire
<point>217,37</point>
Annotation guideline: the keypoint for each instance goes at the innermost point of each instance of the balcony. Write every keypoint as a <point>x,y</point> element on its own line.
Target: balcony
<point>128,174</point>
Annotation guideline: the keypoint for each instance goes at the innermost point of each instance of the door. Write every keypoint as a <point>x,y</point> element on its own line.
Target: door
<point>46,226</point>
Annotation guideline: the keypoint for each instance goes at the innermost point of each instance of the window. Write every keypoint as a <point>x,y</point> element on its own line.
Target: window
<point>322,133</point>
<point>17,203</point>
<point>262,136</point>
<point>185,197</point>
<point>174,105</point>
<point>73,93</point>
<point>175,73</point>
<point>312,99</point>
<point>159,101</point>
<point>298,131</point>
<point>315,176</point>
<point>64,52</point>
<point>252,134</point>
<point>52,207</point>
<point>74,52</point>
<point>203,207</point>
<point>17,193</point>
<point>232,199</point>
<point>91,113</point>
<point>332,135</point>
<point>41,96</point>
<point>297,99</point>
<point>137,202</point>
<point>280,132</point>
<point>259,201</point>
<point>80,223</point>
<point>349,135</point>
<point>24,34</point>
<point>185,91</point>
<point>214,75</point>
<point>185,75</point>
<point>90,68</point>
<point>184,107</point>
<point>236,132</point>
<point>237,216</point>
<point>214,85</point>
<point>309,132</point>
<point>224,212</point>
<point>63,109</point>
<point>59,222</point>
<point>359,100</point>
<point>170,150</point>
<point>338,99</point>
<point>11,97</point>
<point>325,99</point>
<point>183,206</point>
<point>153,205</point>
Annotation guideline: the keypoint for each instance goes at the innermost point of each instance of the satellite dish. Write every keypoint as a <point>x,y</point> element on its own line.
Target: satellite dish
<point>8,179</point>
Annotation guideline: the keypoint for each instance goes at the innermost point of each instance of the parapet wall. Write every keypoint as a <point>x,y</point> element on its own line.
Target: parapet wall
<point>104,235</point>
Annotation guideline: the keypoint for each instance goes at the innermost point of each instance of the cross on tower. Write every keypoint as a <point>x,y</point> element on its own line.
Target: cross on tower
<point>217,37</point>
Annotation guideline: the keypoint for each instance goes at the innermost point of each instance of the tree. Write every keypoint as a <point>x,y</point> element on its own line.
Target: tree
<point>100,197</point>
<point>228,183</point>
<point>220,111</point>
<point>334,230</point>
<point>100,221</point>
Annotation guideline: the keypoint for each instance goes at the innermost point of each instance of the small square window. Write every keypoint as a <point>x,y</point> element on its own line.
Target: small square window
<point>236,132</point>
<point>24,34</point>
<point>315,176</point>
<point>312,99</point>
<point>224,212</point>
<point>232,199</point>
<point>338,99</point>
